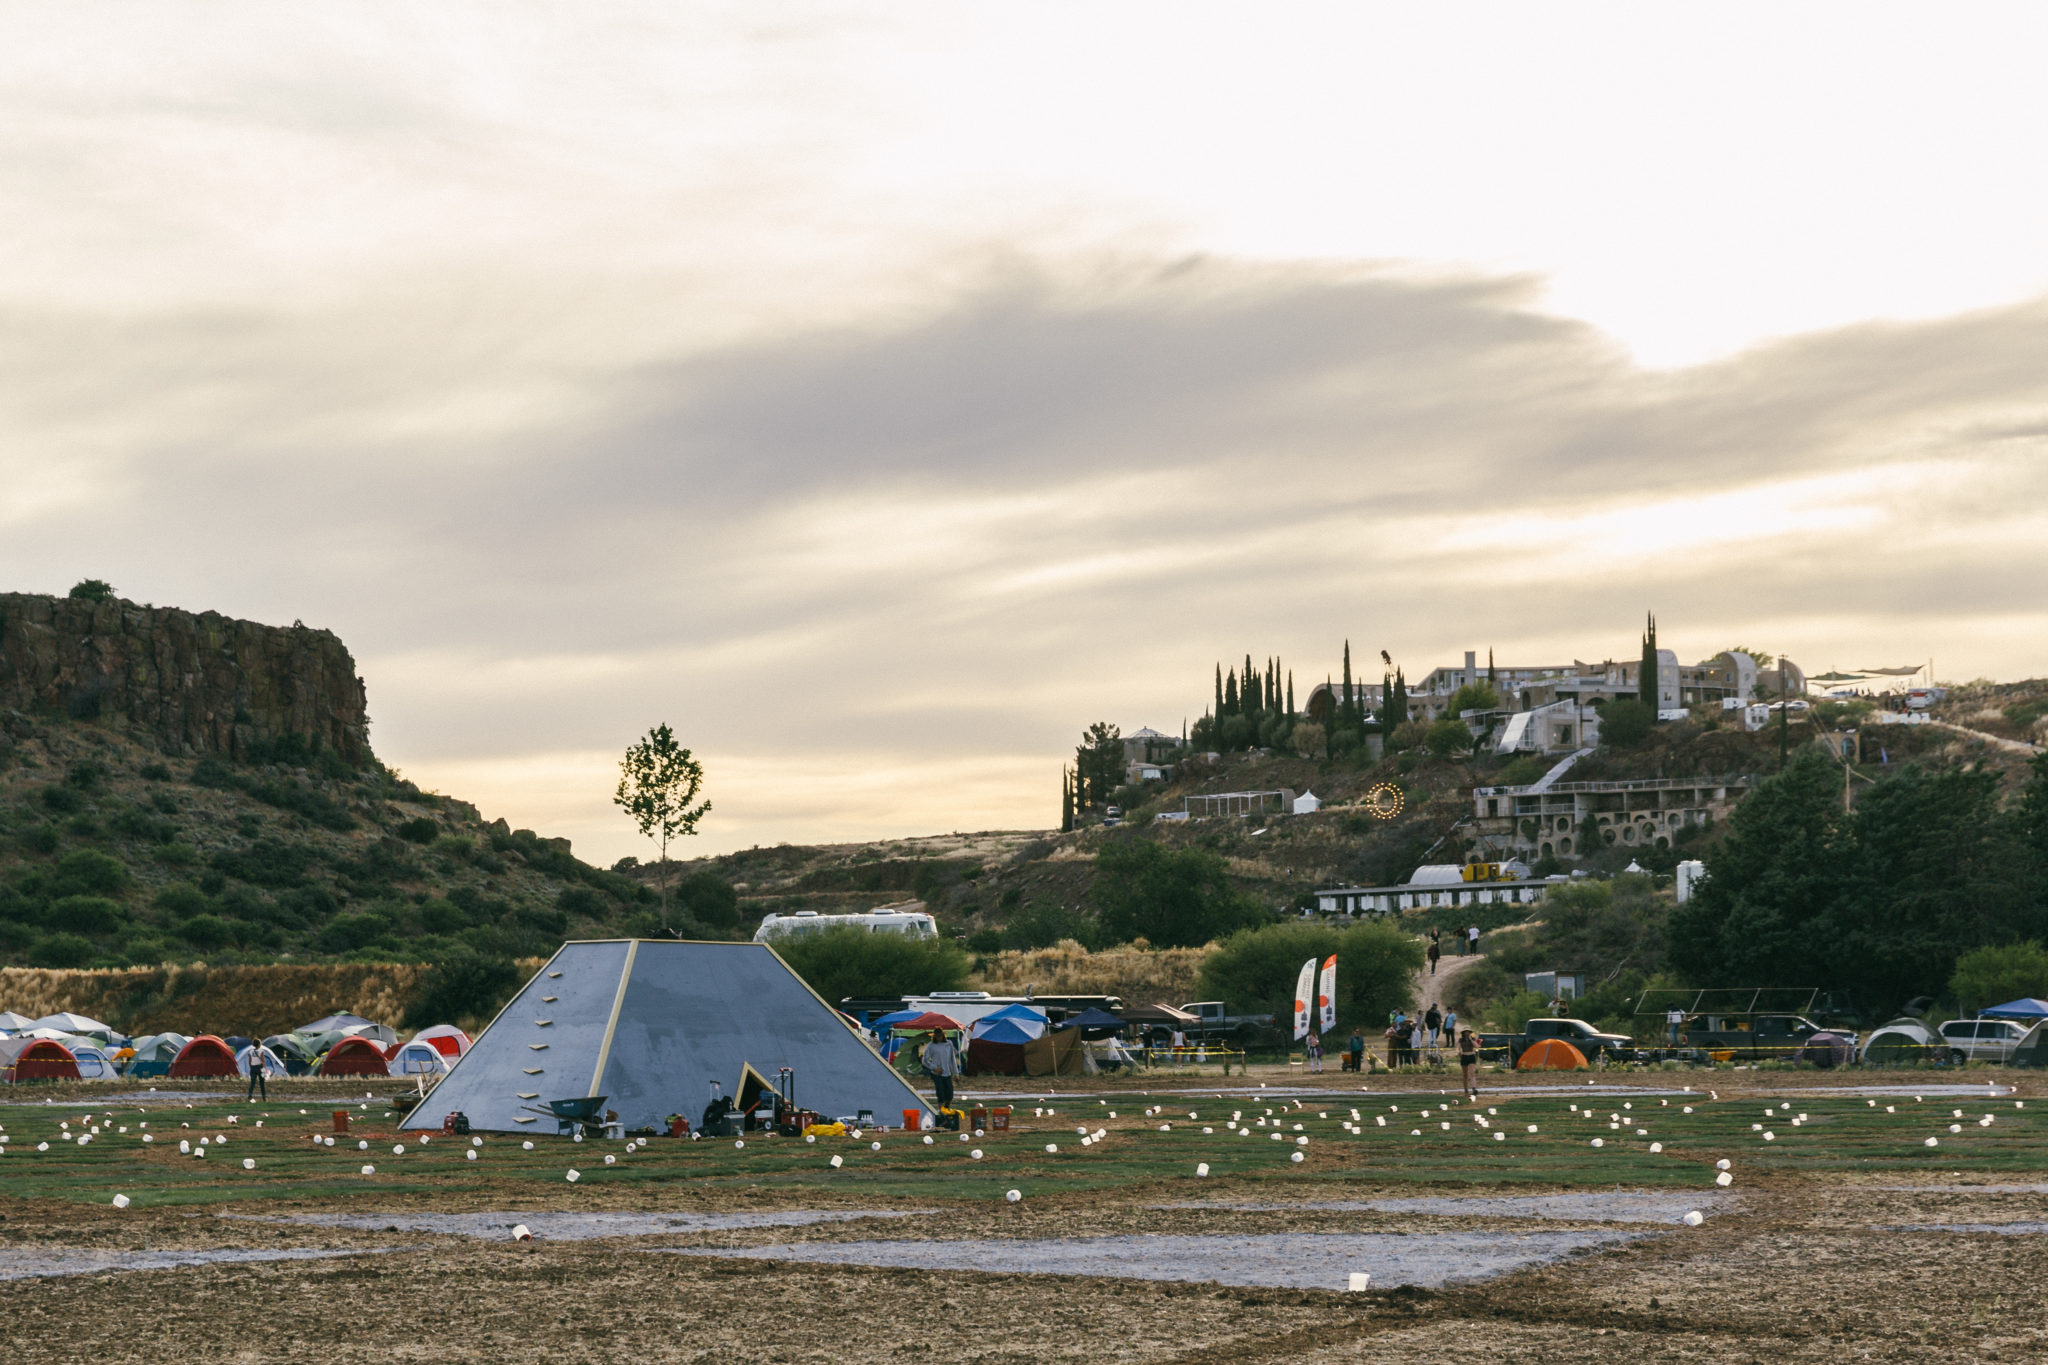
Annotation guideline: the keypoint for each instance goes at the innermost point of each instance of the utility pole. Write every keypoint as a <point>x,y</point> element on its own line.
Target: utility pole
<point>1784,714</point>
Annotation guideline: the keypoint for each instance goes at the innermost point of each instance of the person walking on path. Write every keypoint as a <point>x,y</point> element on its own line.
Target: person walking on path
<point>941,1062</point>
<point>1436,950</point>
<point>1357,1050</point>
<point>1315,1051</point>
<point>257,1085</point>
<point>1468,1062</point>
<point>1472,938</point>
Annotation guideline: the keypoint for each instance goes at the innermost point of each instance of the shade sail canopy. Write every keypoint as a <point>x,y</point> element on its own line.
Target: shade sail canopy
<point>647,1024</point>
<point>72,1023</point>
<point>340,1019</point>
<point>1092,1020</point>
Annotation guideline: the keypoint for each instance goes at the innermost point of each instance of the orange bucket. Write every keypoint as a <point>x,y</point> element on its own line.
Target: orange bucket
<point>341,1120</point>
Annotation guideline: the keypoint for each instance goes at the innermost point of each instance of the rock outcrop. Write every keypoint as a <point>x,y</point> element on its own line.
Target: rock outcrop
<point>194,683</point>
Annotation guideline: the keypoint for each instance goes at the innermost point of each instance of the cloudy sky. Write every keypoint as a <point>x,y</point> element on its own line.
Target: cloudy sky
<point>879,393</point>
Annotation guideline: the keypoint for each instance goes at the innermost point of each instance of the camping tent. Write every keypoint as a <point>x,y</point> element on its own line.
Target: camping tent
<point>1032,1022</point>
<point>75,1023</point>
<point>155,1053</point>
<point>273,1065</point>
<point>95,1063</point>
<point>1058,1053</point>
<point>2026,1009</point>
<point>1826,1050</point>
<point>1551,1054</point>
<point>996,1046</point>
<point>343,1022</point>
<point>36,1059</point>
<point>15,1023</point>
<point>646,1023</point>
<point>1900,1041</point>
<point>2032,1049</point>
<point>354,1056</point>
<point>292,1050</point>
<point>925,1023</point>
<point>445,1039</point>
<point>205,1055</point>
<point>418,1059</point>
<point>1091,1020</point>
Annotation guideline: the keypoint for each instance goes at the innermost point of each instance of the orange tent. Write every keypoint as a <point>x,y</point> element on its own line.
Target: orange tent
<point>205,1055</point>
<point>355,1057</point>
<point>37,1059</point>
<point>1552,1054</point>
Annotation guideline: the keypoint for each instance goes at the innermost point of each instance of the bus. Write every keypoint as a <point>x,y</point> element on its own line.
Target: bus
<point>909,923</point>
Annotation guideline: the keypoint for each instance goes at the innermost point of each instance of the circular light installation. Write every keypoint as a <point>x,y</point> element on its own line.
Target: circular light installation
<point>1385,801</point>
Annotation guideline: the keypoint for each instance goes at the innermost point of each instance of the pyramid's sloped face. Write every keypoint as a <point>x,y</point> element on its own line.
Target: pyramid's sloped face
<point>691,1013</point>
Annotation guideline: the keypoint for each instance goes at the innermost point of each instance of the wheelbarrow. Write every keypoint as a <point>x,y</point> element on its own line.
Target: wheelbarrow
<point>584,1115</point>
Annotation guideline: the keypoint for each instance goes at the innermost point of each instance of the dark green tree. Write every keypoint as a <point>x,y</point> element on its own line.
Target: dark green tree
<point>658,779</point>
<point>1098,764</point>
<point>1625,723</point>
<point>1646,686</point>
<point>852,962</point>
<point>1255,970</point>
<point>92,590</point>
<point>1171,898</point>
<point>1066,800</point>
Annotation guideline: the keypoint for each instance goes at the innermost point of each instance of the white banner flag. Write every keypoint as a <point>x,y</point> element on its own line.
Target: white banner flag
<point>1326,995</point>
<point>1302,988</point>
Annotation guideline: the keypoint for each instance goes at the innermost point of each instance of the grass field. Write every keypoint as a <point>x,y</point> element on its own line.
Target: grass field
<point>1424,1139</point>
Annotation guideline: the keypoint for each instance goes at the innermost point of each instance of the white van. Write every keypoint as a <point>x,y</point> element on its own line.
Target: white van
<point>1982,1040</point>
<point>909,923</point>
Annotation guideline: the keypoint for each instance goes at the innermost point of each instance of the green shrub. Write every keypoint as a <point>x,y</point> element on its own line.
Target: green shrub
<point>464,988</point>
<point>420,830</point>
<point>1042,924</point>
<point>211,772</point>
<point>62,951</point>
<point>180,900</point>
<point>458,846</point>
<point>63,800</point>
<point>1512,1013</point>
<point>154,772</point>
<point>1171,898</point>
<point>92,590</point>
<point>345,933</point>
<point>207,932</point>
<point>38,838</point>
<point>95,916</point>
<point>267,862</point>
<point>1625,724</point>
<point>177,854</point>
<point>850,961</point>
<point>15,937</point>
<point>442,917</point>
<point>1255,971</point>
<point>581,901</point>
<point>709,899</point>
<point>86,870</point>
<point>1448,738</point>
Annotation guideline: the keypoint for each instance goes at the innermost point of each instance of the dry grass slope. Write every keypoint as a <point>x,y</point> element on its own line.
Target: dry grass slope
<point>254,1000</point>
<point>1142,976</point>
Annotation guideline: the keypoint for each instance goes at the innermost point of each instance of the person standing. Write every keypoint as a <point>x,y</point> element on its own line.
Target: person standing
<point>257,1085</point>
<point>1472,938</point>
<point>1315,1051</point>
<point>1674,1024</point>
<point>1357,1050</point>
<point>1450,1023</point>
<point>1468,1063</point>
<point>1393,1046</point>
<point>941,1062</point>
<point>1433,1021</point>
<point>1436,950</point>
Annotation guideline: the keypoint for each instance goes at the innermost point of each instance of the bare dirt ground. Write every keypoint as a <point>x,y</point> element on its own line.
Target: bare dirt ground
<point>1828,1266</point>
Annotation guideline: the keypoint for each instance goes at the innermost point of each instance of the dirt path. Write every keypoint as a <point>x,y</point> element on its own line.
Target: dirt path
<point>2018,746</point>
<point>1431,988</point>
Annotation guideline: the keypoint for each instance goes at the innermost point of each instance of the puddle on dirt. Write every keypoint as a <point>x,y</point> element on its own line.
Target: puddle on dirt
<point>1616,1206</point>
<point>577,1227</point>
<point>1964,1189</point>
<point>2002,1229</point>
<point>1287,1261</point>
<point>21,1263</point>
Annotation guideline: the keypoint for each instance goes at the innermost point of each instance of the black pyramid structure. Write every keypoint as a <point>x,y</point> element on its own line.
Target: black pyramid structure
<point>648,1023</point>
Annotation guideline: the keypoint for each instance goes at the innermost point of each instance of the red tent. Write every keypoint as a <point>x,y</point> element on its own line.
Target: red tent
<point>925,1023</point>
<point>205,1055</point>
<point>37,1059</point>
<point>355,1057</point>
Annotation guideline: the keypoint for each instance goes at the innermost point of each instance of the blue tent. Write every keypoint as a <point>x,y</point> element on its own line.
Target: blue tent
<point>883,1023</point>
<point>1092,1020</point>
<point>2028,1008</point>
<point>1003,1031</point>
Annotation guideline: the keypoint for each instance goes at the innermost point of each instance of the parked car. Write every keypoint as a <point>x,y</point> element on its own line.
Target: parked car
<point>1214,1021</point>
<point>1617,1047</point>
<point>1982,1040</point>
<point>1754,1037</point>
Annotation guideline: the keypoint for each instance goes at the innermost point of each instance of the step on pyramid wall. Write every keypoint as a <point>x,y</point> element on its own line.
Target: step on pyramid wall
<point>649,1023</point>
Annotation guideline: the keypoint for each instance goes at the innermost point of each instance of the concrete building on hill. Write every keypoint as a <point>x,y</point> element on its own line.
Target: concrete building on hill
<point>1566,818</point>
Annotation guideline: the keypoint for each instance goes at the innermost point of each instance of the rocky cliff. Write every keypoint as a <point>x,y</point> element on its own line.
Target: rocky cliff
<point>191,683</point>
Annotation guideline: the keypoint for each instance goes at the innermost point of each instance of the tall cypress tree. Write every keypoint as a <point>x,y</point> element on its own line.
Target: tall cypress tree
<point>1400,698</point>
<point>1066,801</point>
<point>1290,693</point>
<point>1218,712</point>
<point>1492,679</point>
<point>1347,713</point>
<point>1230,693</point>
<point>1646,687</point>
